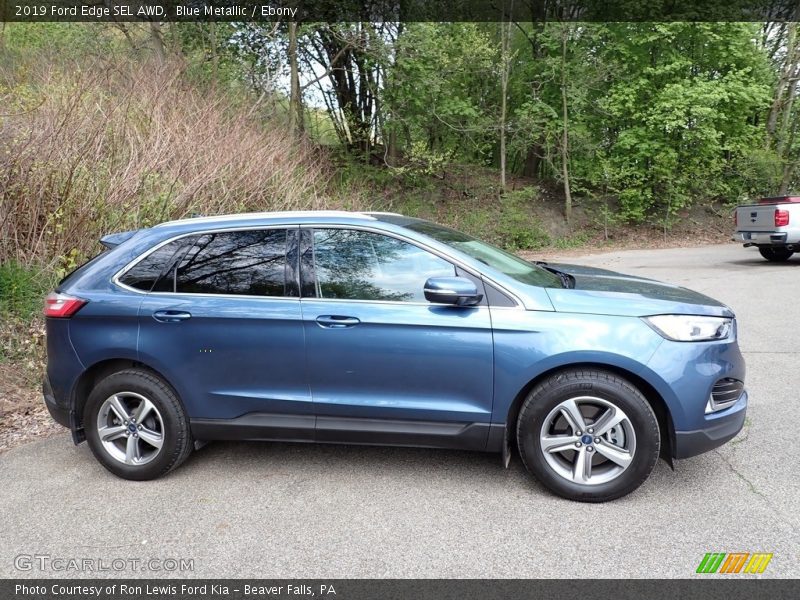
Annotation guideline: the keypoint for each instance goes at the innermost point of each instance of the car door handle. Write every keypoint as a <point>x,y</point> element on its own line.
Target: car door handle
<point>171,316</point>
<point>336,321</point>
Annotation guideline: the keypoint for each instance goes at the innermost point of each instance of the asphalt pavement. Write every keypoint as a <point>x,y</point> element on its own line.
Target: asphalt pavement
<point>294,510</point>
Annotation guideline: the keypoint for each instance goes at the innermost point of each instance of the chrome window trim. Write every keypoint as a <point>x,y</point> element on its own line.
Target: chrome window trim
<point>285,214</point>
<point>395,302</point>
<point>115,279</point>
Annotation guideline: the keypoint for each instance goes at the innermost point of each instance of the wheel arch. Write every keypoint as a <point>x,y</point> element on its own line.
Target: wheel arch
<point>653,397</point>
<point>95,374</point>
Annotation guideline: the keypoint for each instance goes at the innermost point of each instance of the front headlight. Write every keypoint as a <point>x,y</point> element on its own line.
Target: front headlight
<point>690,328</point>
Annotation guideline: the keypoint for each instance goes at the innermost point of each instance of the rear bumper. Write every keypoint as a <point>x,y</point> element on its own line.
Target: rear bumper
<point>765,238</point>
<point>722,427</point>
<point>59,413</point>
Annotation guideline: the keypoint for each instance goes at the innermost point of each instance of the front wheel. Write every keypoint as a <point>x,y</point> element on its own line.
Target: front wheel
<point>588,435</point>
<point>775,254</point>
<point>136,426</point>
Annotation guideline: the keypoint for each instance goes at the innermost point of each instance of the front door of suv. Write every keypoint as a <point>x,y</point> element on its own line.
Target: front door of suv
<point>223,323</point>
<point>385,365</point>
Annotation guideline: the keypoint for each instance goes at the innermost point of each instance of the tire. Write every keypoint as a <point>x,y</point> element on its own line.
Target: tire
<point>160,442</point>
<point>775,254</point>
<point>601,398</point>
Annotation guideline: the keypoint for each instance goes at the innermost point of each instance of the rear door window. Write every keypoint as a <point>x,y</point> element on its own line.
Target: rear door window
<point>250,263</point>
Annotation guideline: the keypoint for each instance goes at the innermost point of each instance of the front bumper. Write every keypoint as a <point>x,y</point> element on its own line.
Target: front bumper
<point>722,427</point>
<point>59,413</point>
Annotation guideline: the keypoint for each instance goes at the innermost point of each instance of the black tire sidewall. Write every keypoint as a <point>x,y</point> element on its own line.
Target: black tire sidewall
<point>176,430</point>
<point>775,254</point>
<point>541,401</point>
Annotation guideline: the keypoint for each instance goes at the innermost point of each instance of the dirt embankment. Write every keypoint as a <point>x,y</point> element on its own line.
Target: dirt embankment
<point>23,416</point>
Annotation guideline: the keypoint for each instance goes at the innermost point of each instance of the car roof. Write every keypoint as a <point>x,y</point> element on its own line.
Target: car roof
<point>267,217</point>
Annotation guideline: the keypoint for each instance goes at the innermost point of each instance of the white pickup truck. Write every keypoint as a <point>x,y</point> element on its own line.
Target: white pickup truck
<point>773,225</point>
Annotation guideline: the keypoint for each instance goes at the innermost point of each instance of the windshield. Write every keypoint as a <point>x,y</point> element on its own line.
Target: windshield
<point>503,261</point>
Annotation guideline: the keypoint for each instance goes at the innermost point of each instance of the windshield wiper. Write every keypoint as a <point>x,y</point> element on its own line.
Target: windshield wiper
<point>567,280</point>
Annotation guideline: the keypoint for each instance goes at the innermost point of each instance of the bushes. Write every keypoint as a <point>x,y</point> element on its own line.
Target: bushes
<point>94,147</point>
<point>518,227</point>
<point>22,291</point>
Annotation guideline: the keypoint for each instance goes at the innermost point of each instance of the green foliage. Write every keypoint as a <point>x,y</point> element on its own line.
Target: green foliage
<point>440,93</point>
<point>577,240</point>
<point>22,292</point>
<point>22,289</point>
<point>518,228</point>
<point>659,117</point>
<point>679,112</point>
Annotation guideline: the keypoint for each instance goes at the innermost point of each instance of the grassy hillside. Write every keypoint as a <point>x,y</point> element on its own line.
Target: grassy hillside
<point>95,142</point>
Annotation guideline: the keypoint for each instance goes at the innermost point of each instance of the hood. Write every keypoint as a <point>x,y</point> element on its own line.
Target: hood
<point>600,291</point>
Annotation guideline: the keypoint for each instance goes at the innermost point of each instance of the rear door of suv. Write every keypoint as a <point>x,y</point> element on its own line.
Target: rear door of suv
<point>222,321</point>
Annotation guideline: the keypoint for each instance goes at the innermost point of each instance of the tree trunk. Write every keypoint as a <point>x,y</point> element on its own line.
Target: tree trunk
<point>214,53</point>
<point>784,81</point>
<point>565,132</point>
<point>157,42</point>
<point>295,102</point>
<point>505,33</point>
<point>789,166</point>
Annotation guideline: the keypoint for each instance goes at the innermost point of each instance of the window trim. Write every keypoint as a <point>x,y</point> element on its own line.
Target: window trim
<point>116,278</point>
<point>435,251</point>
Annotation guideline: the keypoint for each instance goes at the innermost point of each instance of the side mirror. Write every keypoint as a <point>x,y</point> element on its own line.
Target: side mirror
<point>458,291</point>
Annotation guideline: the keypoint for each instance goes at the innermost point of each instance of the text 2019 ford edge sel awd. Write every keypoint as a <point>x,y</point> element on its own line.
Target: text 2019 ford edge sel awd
<point>372,328</point>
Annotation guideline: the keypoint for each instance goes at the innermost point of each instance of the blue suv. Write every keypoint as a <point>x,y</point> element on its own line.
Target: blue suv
<point>374,328</point>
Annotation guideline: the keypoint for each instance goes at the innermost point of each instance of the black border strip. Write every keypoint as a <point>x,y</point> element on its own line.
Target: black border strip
<point>398,10</point>
<point>710,587</point>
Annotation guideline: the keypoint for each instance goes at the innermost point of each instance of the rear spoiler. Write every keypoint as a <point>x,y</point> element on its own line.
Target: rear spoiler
<point>113,240</point>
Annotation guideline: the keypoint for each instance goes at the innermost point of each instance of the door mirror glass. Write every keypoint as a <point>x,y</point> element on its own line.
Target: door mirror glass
<point>452,290</point>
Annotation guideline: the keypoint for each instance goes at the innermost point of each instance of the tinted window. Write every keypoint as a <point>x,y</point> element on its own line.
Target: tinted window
<point>359,265</point>
<point>146,272</point>
<point>237,262</point>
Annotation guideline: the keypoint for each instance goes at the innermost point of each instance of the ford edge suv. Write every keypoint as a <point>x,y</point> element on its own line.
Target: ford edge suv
<point>375,328</point>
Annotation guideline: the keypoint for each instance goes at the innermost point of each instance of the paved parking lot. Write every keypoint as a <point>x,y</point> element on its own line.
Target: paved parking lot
<point>290,510</point>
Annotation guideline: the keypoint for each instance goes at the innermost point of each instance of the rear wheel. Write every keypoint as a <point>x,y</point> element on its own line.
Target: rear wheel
<point>588,435</point>
<point>136,426</point>
<point>775,254</point>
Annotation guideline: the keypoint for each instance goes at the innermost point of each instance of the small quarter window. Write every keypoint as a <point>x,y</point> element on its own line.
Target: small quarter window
<point>144,274</point>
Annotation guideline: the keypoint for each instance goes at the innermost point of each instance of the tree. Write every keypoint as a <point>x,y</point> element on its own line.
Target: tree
<point>565,31</point>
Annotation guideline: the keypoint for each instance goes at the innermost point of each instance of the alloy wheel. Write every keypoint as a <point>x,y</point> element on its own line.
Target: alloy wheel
<point>130,428</point>
<point>587,440</point>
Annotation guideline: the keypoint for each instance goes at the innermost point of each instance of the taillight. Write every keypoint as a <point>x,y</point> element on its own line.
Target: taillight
<point>736,218</point>
<point>781,217</point>
<point>62,306</point>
